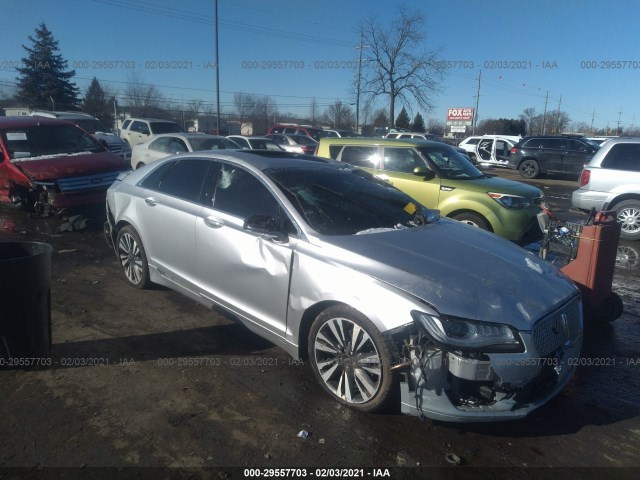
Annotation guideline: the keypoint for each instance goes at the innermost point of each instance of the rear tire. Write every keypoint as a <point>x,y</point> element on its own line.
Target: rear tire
<point>529,169</point>
<point>628,215</point>
<point>473,219</point>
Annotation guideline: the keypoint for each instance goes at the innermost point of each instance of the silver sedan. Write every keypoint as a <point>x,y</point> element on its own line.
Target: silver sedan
<point>164,145</point>
<point>344,270</point>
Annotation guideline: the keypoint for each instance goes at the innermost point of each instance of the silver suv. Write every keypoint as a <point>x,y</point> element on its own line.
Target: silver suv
<point>611,181</point>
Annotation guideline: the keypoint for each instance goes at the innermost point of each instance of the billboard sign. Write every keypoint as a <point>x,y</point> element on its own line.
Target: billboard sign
<point>460,116</point>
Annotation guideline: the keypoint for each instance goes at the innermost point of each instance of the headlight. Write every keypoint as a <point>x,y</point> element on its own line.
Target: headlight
<point>470,335</point>
<point>515,202</point>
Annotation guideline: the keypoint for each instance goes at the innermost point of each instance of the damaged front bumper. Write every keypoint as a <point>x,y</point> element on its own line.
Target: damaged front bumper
<point>451,385</point>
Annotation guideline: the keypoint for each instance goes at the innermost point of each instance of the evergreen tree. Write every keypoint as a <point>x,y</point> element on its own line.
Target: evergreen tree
<point>403,120</point>
<point>418,124</point>
<point>380,119</point>
<point>44,76</point>
<point>97,103</point>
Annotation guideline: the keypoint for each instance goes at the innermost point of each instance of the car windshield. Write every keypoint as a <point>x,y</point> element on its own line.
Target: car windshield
<point>449,163</point>
<point>164,127</point>
<point>304,140</point>
<point>212,144</point>
<point>345,201</point>
<point>91,125</point>
<point>48,140</point>
<point>263,144</point>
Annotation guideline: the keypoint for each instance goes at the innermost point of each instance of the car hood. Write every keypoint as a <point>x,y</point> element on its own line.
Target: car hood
<point>110,138</point>
<point>61,166</point>
<point>495,184</point>
<point>460,270</point>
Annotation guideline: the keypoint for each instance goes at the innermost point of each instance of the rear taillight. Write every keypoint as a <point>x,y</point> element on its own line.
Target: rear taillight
<point>585,177</point>
<point>513,150</point>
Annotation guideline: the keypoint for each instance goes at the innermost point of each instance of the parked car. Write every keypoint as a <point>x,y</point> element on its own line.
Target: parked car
<point>93,126</point>
<point>402,135</point>
<point>336,133</point>
<point>541,155</point>
<point>611,181</point>
<point>494,150</point>
<point>161,146</point>
<point>363,282</point>
<point>48,164</point>
<point>439,177</point>
<point>295,143</point>
<point>251,143</point>
<point>291,129</point>
<point>139,130</point>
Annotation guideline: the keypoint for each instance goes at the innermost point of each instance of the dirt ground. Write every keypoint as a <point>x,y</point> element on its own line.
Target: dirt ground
<point>151,379</point>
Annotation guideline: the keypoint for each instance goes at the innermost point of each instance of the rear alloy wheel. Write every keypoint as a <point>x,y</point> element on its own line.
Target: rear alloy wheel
<point>133,257</point>
<point>351,359</point>
<point>529,169</point>
<point>472,219</point>
<point>628,215</point>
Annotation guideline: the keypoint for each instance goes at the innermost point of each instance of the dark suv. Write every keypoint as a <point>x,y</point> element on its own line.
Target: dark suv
<point>535,156</point>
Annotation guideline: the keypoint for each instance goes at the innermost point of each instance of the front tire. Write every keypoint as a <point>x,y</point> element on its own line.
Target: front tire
<point>133,257</point>
<point>351,359</point>
<point>529,169</point>
<point>473,219</point>
<point>628,215</point>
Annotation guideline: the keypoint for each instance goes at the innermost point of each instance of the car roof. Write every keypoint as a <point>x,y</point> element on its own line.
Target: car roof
<point>30,121</point>
<point>260,159</point>
<point>186,135</point>
<point>143,119</point>
<point>404,142</point>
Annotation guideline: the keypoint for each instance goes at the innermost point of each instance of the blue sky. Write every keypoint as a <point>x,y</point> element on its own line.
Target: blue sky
<point>566,36</point>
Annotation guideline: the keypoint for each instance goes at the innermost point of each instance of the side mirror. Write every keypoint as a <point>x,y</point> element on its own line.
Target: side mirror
<point>424,172</point>
<point>267,226</point>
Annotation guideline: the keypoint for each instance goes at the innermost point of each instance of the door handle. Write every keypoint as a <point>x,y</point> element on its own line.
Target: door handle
<point>213,222</point>
<point>150,201</point>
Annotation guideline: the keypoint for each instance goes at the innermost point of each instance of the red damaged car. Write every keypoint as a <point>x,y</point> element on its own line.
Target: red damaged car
<point>47,164</point>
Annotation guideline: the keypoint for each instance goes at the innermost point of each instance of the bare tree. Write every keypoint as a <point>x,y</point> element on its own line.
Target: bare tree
<point>339,115</point>
<point>243,103</point>
<point>142,97</point>
<point>435,127</point>
<point>528,116</point>
<point>394,69</point>
<point>557,121</point>
<point>263,109</point>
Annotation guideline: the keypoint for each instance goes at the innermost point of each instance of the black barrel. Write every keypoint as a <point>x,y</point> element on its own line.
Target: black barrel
<point>25,301</point>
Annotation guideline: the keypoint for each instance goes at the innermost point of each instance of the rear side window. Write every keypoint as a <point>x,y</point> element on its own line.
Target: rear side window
<point>185,180</point>
<point>623,156</point>
<point>360,156</point>
<point>577,146</point>
<point>241,194</point>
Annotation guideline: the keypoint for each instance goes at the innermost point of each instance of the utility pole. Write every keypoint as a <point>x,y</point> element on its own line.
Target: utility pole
<point>593,116</point>
<point>544,115</point>
<point>558,132</point>
<point>475,117</point>
<point>618,128</point>
<point>217,70</point>
<point>358,83</point>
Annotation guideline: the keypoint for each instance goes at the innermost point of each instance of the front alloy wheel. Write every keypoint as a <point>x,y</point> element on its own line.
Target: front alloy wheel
<point>133,257</point>
<point>350,358</point>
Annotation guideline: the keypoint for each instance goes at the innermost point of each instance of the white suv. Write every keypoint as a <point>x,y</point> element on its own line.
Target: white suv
<point>139,130</point>
<point>611,181</point>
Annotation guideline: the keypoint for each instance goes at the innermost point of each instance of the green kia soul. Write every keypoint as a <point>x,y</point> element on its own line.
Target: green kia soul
<point>439,177</point>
